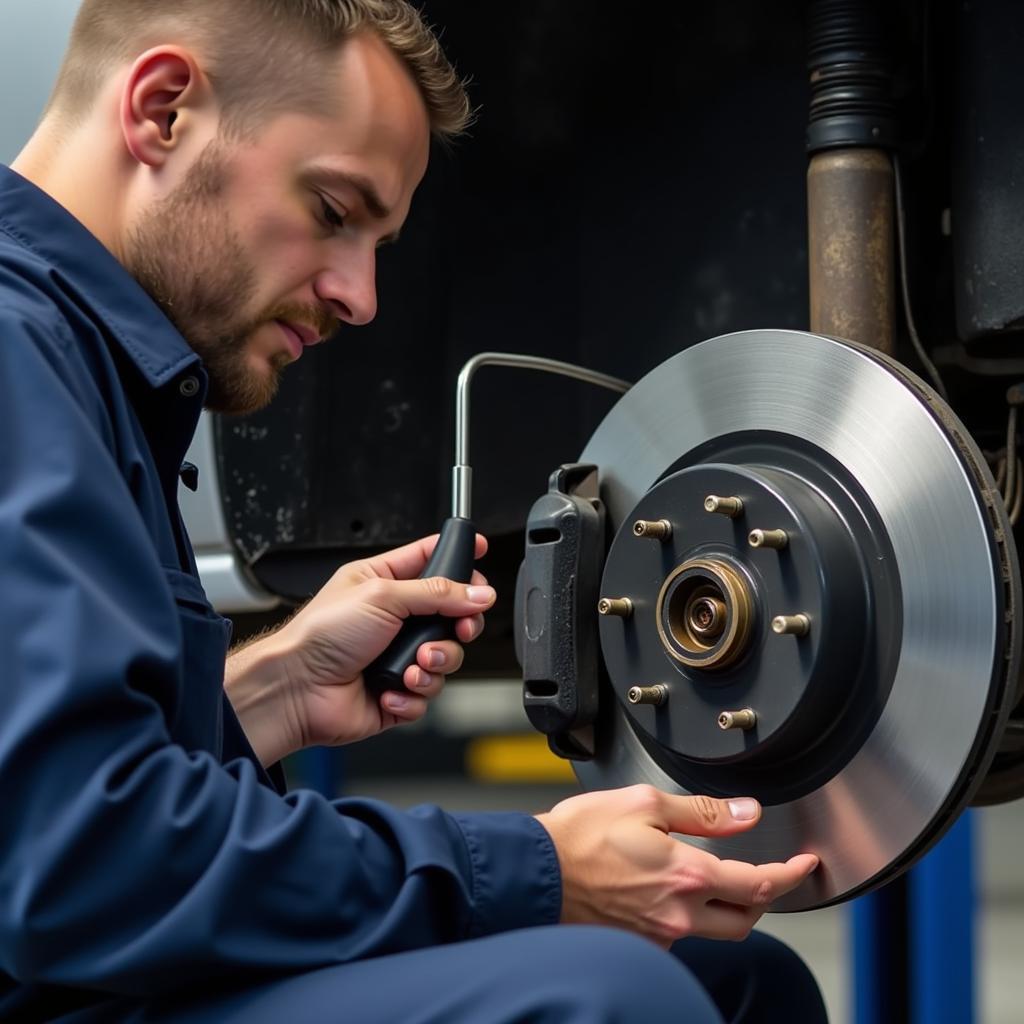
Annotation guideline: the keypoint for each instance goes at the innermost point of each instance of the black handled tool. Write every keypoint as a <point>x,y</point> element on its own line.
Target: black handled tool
<point>453,556</point>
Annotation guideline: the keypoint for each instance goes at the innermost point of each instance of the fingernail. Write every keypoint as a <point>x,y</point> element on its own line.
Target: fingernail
<point>397,702</point>
<point>743,810</point>
<point>422,681</point>
<point>436,659</point>
<point>480,595</point>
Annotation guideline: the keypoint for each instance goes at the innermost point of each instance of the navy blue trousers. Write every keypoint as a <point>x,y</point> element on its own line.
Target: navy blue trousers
<point>556,975</point>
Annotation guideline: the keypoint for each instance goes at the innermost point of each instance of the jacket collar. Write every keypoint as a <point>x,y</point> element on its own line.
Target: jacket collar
<point>40,224</point>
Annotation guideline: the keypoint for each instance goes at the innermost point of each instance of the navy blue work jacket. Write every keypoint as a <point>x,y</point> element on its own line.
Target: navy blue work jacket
<point>142,847</point>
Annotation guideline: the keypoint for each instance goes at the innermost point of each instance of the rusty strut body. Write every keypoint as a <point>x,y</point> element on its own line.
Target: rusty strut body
<point>850,177</point>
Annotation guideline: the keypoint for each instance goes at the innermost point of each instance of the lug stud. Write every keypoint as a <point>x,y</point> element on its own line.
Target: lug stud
<point>656,694</point>
<point>745,719</point>
<point>731,507</point>
<point>776,539</point>
<point>656,529</point>
<point>792,625</point>
<point>620,606</point>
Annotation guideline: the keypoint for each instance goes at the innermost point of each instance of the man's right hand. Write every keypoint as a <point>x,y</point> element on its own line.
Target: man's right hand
<point>620,867</point>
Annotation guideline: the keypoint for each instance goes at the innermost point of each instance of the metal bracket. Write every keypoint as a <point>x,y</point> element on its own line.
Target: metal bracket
<point>556,610</point>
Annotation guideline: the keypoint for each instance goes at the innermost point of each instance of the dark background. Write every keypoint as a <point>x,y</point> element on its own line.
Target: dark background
<point>634,183</point>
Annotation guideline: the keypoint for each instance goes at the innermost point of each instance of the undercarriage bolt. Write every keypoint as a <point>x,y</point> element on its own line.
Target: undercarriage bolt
<point>793,625</point>
<point>657,529</point>
<point>621,606</point>
<point>777,539</point>
<point>730,507</point>
<point>656,694</point>
<point>745,719</point>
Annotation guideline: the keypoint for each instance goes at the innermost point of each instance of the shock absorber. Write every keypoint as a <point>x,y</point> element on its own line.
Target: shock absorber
<point>851,132</point>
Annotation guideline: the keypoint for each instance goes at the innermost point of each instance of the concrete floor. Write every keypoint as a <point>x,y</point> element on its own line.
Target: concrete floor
<point>821,936</point>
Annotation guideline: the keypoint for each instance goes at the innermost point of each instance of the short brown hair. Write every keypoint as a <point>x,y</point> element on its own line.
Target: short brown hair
<point>252,49</point>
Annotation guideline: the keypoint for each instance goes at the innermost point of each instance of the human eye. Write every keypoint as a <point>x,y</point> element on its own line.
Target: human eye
<point>331,218</point>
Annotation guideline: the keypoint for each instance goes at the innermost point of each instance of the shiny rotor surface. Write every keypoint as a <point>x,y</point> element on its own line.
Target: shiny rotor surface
<point>888,802</point>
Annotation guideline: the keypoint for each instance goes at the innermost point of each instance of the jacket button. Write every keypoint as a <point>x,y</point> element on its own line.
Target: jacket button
<point>189,387</point>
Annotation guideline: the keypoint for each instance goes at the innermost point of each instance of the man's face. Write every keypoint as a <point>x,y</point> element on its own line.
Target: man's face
<point>267,245</point>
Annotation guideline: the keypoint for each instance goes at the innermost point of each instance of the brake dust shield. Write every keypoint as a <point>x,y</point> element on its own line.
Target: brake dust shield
<point>821,589</point>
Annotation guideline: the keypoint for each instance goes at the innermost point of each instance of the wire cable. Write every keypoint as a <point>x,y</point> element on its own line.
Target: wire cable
<point>901,245</point>
<point>1018,497</point>
<point>1012,476</point>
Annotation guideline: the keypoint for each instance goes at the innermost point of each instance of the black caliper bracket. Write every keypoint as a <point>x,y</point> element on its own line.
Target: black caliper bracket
<point>556,610</point>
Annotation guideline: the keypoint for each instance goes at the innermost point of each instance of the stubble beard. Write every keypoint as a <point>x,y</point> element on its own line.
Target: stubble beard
<point>186,255</point>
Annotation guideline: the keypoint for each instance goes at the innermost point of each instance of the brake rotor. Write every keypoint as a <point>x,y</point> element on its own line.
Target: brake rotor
<point>821,588</point>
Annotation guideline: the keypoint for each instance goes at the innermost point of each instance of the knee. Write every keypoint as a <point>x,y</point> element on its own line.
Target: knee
<point>759,979</point>
<point>780,973</point>
<point>608,976</point>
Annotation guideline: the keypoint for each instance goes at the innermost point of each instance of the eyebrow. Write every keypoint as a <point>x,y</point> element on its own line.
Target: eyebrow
<point>361,184</point>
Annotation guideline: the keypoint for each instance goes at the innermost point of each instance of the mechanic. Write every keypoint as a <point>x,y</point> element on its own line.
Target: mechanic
<point>201,201</point>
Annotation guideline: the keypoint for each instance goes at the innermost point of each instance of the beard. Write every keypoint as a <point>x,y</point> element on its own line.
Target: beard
<point>185,253</point>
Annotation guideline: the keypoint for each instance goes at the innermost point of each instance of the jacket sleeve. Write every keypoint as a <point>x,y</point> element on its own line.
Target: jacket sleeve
<point>126,860</point>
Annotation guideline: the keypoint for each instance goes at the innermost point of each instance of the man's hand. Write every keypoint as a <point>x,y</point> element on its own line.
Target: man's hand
<point>303,685</point>
<point>620,867</point>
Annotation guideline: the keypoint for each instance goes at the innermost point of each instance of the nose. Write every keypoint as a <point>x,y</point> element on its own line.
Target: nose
<point>349,287</point>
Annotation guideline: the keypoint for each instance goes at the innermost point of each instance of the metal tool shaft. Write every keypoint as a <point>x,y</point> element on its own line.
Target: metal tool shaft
<point>462,473</point>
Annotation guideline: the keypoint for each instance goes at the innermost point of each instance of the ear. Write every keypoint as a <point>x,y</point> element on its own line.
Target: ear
<point>165,86</point>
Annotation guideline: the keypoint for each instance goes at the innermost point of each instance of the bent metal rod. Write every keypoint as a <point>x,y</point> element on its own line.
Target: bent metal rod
<point>462,472</point>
